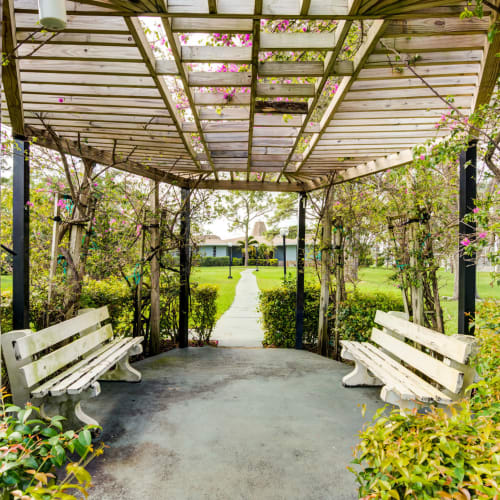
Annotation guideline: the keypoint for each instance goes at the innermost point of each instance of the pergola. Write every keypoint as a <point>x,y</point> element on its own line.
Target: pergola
<point>100,88</point>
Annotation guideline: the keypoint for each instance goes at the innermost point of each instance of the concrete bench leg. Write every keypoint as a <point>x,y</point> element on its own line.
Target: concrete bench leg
<point>360,375</point>
<point>123,371</point>
<point>69,406</point>
<point>406,406</point>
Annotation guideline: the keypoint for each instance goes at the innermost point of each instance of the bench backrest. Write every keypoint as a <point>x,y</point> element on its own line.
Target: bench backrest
<point>442,358</point>
<point>31,357</point>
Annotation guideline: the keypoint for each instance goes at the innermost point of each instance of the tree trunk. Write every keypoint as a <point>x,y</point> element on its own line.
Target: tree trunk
<point>76,232</point>
<point>340,291</point>
<point>154,339</point>
<point>416,285</point>
<point>326,261</point>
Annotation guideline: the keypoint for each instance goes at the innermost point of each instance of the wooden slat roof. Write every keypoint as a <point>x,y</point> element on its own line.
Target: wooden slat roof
<point>99,86</point>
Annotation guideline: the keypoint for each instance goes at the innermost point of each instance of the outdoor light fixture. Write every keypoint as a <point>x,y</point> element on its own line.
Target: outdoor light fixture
<point>52,14</point>
<point>284,233</point>
<point>230,245</point>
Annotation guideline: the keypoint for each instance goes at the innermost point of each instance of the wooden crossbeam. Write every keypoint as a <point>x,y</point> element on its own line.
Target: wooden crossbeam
<point>10,71</point>
<point>45,139</point>
<point>376,31</point>
<point>135,28</point>
<point>175,47</point>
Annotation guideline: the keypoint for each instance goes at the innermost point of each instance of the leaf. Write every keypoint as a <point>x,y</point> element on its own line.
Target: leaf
<point>85,438</point>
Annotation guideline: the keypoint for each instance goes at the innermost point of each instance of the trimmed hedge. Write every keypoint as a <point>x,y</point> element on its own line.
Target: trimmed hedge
<point>263,262</point>
<point>356,314</point>
<point>204,310</point>
<point>218,261</point>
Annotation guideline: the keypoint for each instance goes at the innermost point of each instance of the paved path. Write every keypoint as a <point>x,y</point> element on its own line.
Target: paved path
<point>230,424</point>
<point>238,326</point>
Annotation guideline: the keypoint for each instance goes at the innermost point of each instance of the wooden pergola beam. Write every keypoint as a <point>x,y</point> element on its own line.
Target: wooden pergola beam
<point>10,71</point>
<point>73,148</point>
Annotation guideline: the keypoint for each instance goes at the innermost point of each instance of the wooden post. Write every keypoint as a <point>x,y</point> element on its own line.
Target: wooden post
<point>301,253</point>
<point>53,253</point>
<point>184,264</point>
<point>154,338</point>
<point>326,264</point>
<point>340,293</point>
<point>20,234</point>
<point>466,263</point>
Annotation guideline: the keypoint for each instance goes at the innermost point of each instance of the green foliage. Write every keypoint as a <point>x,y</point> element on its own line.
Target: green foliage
<point>6,311</point>
<point>357,313</point>
<point>34,448</point>
<point>204,310</point>
<point>262,262</point>
<point>433,454</point>
<point>219,261</point>
<point>115,294</point>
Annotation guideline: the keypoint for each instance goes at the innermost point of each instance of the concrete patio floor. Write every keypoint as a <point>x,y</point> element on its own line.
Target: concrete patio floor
<point>228,423</point>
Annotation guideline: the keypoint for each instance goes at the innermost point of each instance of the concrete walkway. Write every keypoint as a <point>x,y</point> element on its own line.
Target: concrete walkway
<point>229,424</point>
<point>238,326</point>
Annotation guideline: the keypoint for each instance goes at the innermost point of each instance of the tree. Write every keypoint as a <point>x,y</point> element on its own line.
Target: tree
<point>241,208</point>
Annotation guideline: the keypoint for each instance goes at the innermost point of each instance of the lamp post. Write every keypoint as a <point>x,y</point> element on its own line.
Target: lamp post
<point>230,245</point>
<point>284,234</point>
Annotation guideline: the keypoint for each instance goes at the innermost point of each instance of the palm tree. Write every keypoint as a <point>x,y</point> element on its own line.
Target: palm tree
<point>252,242</point>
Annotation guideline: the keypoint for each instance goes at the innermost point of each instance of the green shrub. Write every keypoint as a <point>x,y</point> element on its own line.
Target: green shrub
<point>204,310</point>
<point>356,314</point>
<point>114,293</point>
<point>6,311</point>
<point>218,261</point>
<point>263,262</point>
<point>436,455</point>
<point>278,314</point>
<point>34,449</point>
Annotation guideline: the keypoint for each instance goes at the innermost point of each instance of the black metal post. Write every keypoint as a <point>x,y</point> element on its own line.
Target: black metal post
<point>230,262</point>
<point>466,262</point>
<point>20,234</point>
<point>185,269</point>
<point>284,258</point>
<point>301,253</point>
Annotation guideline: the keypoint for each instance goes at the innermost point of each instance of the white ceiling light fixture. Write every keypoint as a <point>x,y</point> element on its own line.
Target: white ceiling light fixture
<point>52,14</point>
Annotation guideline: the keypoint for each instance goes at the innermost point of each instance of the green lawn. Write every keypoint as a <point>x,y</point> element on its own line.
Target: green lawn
<point>218,276</point>
<point>6,283</point>
<point>373,279</point>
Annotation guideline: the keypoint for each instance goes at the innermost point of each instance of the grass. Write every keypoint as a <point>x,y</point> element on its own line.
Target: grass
<point>371,280</point>
<point>378,279</point>
<point>218,276</point>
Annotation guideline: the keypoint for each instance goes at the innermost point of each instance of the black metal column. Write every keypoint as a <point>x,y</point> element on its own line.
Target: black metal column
<point>301,253</point>
<point>20,234</point>
<point>466,263</point>
<point>185,268</point>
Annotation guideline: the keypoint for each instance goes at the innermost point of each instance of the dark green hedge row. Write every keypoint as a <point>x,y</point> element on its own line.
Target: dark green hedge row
<point>356,314</point>
<point>218,261</point>
<point>263,262</point>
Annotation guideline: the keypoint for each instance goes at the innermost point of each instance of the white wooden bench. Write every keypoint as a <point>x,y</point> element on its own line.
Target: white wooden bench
<point>58,367</point>
<point>413,364</point>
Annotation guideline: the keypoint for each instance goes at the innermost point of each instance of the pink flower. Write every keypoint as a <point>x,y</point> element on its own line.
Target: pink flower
<point>482,235</point>
<point>422,157</point>
<point>61,203</point>
<point>61,99</point>
<point>465,242</point>
<point>30,204</point>
<point>112,221</point>
<point>475,210</point>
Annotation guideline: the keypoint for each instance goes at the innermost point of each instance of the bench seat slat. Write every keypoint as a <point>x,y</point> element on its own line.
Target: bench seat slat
<point>102,365</point>
<point>446,376</point>
<point>71,375</point>
<point>50,363</point>
<point>425,391</point>
<point>450,347</point>
<point>43,389</point>
<point>43,339</point>
<point>380,369</point>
